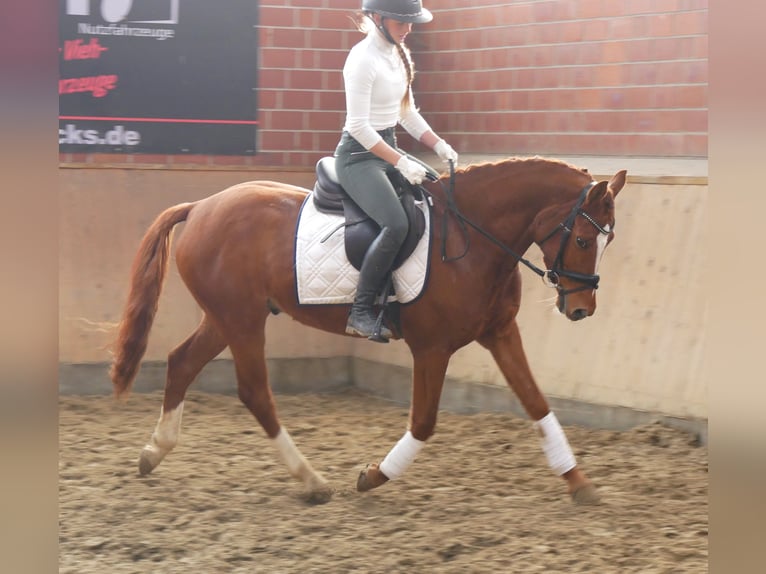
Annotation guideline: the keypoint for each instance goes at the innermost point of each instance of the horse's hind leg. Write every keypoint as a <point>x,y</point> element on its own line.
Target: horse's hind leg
<point>507,350</point>
<point>255,393</point>
<point>184,364</point>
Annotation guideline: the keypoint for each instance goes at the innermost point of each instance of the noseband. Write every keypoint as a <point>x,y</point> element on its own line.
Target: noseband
<point>551,277</point>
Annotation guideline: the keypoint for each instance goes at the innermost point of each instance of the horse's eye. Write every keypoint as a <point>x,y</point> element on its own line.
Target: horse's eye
<point>581,243</point>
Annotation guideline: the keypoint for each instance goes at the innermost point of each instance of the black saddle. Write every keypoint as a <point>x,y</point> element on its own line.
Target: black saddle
<point>360,230</point>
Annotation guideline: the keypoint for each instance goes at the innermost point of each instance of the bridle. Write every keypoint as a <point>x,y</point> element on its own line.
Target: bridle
<point>551,277</point>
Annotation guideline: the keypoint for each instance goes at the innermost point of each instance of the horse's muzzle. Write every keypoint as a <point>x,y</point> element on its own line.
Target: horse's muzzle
<point>578,314</point>
<point>575,308</point>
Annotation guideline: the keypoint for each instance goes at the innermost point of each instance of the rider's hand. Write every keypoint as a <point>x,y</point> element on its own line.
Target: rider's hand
<point>411,170</point>
<point>445,152</point>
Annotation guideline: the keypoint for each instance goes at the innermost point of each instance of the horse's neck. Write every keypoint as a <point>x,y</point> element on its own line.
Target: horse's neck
<point>507,201</point>
<point>506,198</point>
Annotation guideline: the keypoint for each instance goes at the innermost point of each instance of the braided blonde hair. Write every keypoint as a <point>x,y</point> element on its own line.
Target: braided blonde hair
<point>409,66</point>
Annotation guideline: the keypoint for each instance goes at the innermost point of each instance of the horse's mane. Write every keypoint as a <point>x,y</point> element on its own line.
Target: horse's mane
<point>490,173</point>
<point>519,161</point>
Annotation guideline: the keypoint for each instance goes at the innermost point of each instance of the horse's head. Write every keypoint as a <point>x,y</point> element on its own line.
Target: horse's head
<point>573,239</point>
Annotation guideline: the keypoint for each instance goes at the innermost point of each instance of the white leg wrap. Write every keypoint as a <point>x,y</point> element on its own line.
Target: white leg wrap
<point>555,445</point>
<point>401,456</point>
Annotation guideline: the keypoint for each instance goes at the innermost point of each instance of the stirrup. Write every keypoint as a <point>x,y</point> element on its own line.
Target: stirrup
<point>377,335</point>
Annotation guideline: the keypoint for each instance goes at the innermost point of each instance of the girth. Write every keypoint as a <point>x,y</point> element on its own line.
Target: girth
<point>360,230</point>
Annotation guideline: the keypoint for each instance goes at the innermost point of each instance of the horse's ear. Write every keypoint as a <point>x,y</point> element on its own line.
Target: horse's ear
<point>596,193</point>
<point>618,181</point>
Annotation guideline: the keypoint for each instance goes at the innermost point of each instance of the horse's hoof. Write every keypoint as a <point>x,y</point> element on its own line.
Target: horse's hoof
<point>371,477</point>
<point>586,495</point>
<point>148,460</point>
<point>321,495</point>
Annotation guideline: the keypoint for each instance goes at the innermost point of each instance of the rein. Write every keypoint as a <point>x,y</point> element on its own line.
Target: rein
<point>549,276</point>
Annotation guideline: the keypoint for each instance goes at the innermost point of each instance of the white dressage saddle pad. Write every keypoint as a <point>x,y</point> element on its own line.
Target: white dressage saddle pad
<point>323,272</point>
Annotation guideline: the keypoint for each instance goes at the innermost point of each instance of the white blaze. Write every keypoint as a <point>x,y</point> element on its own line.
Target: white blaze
<point>601,242</point>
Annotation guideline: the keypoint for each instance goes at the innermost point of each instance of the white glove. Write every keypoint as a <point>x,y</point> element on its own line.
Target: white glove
<point>445,152</point>
<point>411,170</point>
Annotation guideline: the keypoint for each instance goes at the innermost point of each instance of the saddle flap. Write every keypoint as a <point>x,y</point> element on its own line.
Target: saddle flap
<point>361,231</point>
<point>323,273</point>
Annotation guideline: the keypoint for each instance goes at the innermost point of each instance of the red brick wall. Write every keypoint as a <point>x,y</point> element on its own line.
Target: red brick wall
<point>304,44</point>
<point>552,77</point>
<point>596,77</point>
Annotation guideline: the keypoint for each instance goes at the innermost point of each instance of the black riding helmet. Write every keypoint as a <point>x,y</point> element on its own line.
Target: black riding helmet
<point>401,10</point>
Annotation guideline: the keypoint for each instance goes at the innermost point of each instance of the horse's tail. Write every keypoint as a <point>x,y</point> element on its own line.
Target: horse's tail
<point>146,278</point>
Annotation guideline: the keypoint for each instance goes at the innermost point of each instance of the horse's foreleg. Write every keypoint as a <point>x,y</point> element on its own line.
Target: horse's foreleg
<point>508,352</point>
<point>255,393</point>
<point>184,364</point>
<point>428,378</point>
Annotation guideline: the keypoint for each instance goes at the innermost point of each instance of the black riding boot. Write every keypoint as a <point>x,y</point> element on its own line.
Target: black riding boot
<point>375,266</point>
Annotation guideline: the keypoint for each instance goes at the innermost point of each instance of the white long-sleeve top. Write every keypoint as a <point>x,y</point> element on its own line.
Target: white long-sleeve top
<point>376,81</point>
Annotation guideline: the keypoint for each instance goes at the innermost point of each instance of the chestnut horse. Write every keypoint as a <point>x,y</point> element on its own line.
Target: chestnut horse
<point>235,255</point>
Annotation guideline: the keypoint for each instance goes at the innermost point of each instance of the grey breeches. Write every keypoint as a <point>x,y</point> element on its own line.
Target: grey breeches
<point>364,177</point>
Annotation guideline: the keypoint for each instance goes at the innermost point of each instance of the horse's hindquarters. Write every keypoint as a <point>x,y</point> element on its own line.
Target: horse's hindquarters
<point>237,256</point>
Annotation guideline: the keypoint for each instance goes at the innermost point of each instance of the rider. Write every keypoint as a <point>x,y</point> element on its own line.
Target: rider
<point>378,83</point>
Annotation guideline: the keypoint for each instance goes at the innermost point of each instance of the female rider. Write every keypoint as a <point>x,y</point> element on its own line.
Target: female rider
<point>378,77</point>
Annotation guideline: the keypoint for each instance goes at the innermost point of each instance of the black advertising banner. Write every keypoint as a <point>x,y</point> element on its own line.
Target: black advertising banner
<point>158,76</point>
